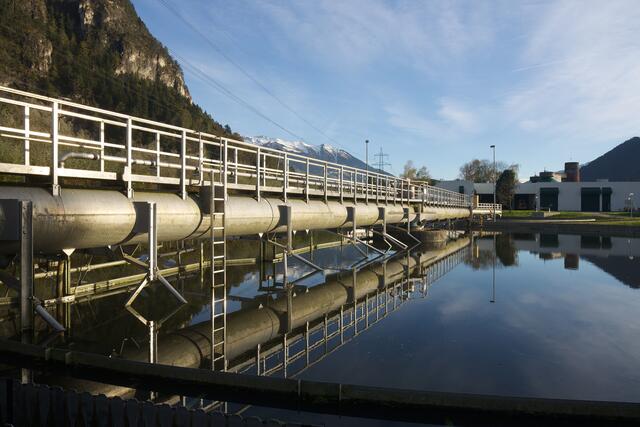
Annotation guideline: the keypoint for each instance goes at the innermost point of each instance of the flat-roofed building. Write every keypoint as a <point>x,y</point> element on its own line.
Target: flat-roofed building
<point>598,196</point>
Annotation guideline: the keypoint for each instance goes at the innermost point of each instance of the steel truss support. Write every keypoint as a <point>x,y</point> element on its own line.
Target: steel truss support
<point>386,236</point>
<point>408,229</point>
<point>146,222</point>
<point>285,215</point>
<point>351,217</point>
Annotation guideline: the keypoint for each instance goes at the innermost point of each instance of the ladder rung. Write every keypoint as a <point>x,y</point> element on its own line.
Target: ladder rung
<point>218,199</point>
<point>219,329</point>
<point>218,358</point>
<point>215,316</point>
<point>215,301</point>
<point>218,271</point>
<point>218,242</point>
<point>218,228</point>
<point>218,257</point>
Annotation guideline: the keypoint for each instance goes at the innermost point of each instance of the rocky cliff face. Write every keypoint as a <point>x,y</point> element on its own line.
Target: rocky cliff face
<point>97,52</point>
<point>115,23</point>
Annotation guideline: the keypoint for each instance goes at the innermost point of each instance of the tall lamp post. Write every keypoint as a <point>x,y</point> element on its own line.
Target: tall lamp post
<point>493,147</point>
<point>366,154</point>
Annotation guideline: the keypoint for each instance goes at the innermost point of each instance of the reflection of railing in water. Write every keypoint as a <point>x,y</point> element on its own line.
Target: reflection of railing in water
<point>361,311</point>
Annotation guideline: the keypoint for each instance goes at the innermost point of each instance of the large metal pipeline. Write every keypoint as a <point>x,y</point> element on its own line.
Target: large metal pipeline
<point>80,219</point>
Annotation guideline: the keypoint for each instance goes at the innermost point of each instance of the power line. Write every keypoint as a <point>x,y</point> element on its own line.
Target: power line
<point>206,78</point>
<point>195,29</point>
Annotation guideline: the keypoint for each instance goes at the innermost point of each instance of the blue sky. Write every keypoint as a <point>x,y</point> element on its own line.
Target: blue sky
<point>435,82</point>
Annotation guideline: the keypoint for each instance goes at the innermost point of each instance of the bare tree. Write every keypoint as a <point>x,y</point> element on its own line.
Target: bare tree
<point>482,170</point>
<point>410,171</point>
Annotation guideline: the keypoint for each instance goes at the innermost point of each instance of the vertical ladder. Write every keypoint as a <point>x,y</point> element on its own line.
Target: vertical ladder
<point>219,273</point>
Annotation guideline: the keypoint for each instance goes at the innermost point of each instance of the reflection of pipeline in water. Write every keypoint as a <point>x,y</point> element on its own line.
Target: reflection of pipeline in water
<point>247,328</point>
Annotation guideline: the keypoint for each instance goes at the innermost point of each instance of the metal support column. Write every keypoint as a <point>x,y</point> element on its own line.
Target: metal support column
<point>147,223</point>
<point>26,279</point>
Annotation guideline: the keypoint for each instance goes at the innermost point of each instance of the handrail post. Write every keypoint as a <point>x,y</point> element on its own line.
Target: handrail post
<point>306,181</point>
<point>235,165</point>
<point>395,190</point>
<point>285,177</point>
<point>258,170</point>
<point>326,177</point>
<point>102,146</point>
<point>27,126</point>
<point>386,190</point>
<point>55,186</point>
<point>158,154</point>
<point>200,159</point>
<point>354,187</point>
<point>129,167</point>
<point>341,183</point>
<point>366,187</point>
<point>224,172</point>
<point>183,165</point>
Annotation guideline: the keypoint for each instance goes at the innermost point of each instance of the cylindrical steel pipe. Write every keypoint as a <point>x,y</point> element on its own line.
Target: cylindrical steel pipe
<point>82,219</point>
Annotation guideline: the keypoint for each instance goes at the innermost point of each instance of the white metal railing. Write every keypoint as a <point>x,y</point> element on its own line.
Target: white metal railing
<point>490,207</point>
<point>37,137</point>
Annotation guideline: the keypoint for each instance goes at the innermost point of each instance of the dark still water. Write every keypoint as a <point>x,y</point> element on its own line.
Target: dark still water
<point>554,316</point>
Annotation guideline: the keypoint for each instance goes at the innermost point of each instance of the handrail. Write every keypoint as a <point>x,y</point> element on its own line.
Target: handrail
<point>142,150</point>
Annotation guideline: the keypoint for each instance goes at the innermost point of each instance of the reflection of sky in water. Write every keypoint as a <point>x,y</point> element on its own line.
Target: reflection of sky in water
<point>552,332</point>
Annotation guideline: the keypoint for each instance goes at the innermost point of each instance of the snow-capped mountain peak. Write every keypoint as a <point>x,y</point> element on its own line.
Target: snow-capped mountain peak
<point>322,152</point>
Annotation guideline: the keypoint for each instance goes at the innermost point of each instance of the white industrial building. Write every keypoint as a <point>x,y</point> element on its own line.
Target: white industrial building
<point>599,196</point>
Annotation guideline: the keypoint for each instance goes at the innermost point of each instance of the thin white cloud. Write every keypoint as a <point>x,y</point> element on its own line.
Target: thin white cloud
<point>358,33</point>
<point>447,122</point>
<point>584,63</point>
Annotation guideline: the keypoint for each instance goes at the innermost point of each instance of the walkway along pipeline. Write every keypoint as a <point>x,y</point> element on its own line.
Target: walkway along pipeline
<point>80,218</point>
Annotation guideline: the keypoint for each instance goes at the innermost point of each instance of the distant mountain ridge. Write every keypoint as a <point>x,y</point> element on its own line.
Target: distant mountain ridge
<point>622,163</point>
<point>324,152</point>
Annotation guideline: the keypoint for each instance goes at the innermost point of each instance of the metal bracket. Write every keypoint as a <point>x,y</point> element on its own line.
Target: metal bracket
<point>386,236</point>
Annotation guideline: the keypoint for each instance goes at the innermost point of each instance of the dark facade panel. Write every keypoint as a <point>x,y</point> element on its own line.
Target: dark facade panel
<point>549,198</point>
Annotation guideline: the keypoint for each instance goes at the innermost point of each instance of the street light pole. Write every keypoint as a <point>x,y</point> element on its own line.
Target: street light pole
<point>494,181</point>
<point>366,154</point>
